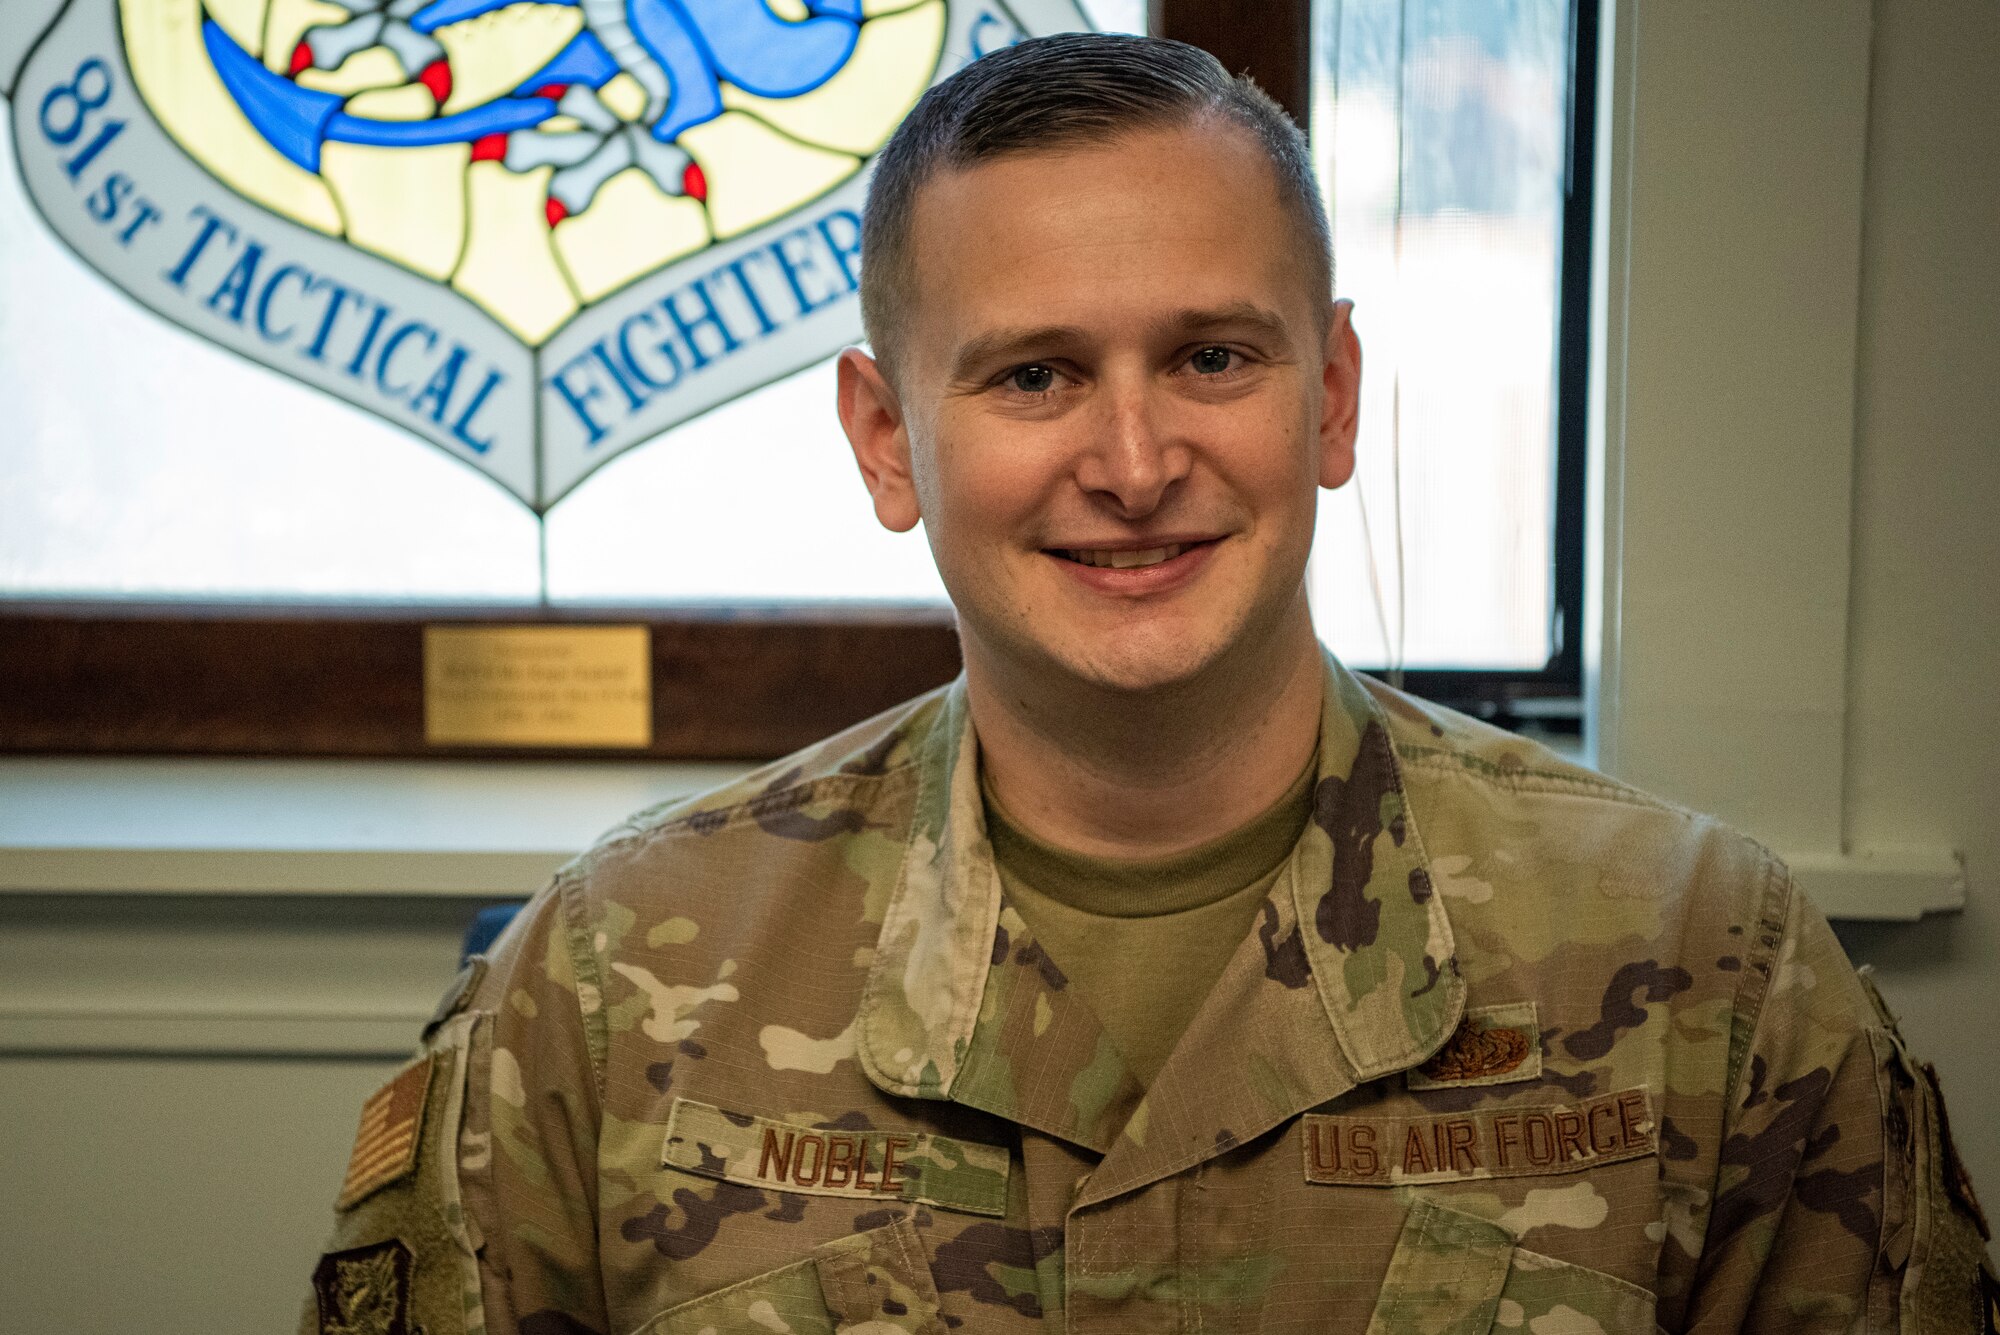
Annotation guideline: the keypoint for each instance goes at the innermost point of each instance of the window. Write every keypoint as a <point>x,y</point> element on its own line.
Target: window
<point>1444,131</point>
<point>302,520</point>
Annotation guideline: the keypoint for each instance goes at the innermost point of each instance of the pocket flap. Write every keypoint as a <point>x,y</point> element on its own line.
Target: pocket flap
<point>1557,1294</point>
<point>1446,1274</point>
<point>1457,1273</point>
<point>877,1281</point>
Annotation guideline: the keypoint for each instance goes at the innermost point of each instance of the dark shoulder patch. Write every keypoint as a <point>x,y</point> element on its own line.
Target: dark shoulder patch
<point>403,1259</point>
<point>365,1291</point>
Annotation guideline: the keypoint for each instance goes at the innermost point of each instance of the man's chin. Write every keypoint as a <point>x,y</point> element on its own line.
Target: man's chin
<point>1135,669</point>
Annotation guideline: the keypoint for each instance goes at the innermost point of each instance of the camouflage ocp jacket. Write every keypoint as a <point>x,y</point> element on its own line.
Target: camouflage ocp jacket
<point>1510,1047</point>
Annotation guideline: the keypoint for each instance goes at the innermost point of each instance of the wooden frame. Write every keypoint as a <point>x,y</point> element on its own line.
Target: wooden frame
<point>1269,40</point>
<point>276,681</point>
<point>153,678</point>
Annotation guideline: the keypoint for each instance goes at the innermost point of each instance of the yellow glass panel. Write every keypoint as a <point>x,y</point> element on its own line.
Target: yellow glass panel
<point>374,68</point>
<point>756,174</point>
<point>509,266</point>
<point>409,102</point>
<point>490,55</point>
<point>630,229</point>
<point>624,97</point>
<point>171,67</point>
<point>406,204</point>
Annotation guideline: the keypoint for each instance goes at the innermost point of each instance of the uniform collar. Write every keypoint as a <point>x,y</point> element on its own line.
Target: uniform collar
<point>1354,940</point>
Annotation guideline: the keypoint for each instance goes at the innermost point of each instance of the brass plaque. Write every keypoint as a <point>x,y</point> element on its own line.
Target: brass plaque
<point>538,686</point>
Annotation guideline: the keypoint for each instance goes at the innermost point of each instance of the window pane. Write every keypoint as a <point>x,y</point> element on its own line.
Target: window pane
<point>1440,128</point>
<point>138,460</point>
<point>757,501</point>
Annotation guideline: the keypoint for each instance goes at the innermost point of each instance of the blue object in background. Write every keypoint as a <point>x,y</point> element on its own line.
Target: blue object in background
<point>485,928</point>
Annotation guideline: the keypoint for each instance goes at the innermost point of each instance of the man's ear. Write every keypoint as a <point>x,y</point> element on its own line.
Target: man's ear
<point>1340,410</point>
<point>872,416</point>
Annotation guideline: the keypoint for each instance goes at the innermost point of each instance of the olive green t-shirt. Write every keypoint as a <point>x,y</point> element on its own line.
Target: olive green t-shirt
<point>1143,941</point>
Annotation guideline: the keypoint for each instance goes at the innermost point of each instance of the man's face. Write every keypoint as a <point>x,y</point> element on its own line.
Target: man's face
<point>1116,396</point>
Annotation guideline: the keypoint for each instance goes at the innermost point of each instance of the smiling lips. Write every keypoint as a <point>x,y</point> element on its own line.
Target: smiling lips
<point>1124,559</point>
<point>1135,569</point>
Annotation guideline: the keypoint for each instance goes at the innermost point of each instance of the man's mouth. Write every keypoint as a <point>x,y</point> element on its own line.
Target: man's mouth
<point>1123,558</point>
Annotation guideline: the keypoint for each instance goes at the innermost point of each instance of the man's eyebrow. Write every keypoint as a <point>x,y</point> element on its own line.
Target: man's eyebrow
<point>999,345</point>
<point>1004,345</point>
<point>1236,315</point>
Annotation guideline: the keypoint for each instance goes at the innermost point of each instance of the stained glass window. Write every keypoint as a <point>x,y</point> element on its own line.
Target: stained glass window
<point>535,234</point>
<point>154,452</point>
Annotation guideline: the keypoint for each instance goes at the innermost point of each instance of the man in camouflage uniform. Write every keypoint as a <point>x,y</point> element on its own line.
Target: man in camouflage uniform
<point>1159,974</point>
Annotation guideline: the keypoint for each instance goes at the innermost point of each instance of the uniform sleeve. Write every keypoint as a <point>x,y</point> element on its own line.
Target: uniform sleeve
<point>1835,1205</point>
<point>474,1211</point>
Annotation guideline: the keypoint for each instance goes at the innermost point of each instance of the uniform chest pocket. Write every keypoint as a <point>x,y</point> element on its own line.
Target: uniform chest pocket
<point>872,1283</point>
<point>1457,1273</point>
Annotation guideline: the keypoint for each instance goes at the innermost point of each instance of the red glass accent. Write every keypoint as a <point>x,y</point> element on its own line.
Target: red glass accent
<point>436,76</point>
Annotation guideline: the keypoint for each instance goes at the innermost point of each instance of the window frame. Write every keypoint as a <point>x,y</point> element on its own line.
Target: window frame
<point>346,680</point>
<point>1550,698</point>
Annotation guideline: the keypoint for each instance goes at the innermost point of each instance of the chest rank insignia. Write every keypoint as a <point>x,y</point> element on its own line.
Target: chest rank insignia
<point>1493,1045</point>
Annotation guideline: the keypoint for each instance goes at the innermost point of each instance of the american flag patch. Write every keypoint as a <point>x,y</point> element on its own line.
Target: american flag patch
<point>385,1148</point>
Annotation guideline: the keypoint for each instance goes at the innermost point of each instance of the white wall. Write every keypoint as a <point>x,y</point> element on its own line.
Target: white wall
<point>1799,392</point>
<point>205,967</point>
<point>169,1194</point>
<point>1923,727</point>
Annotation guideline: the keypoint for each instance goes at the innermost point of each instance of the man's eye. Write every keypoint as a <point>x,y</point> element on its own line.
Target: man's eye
<point>1036,378</point>
<point>1212,361</point>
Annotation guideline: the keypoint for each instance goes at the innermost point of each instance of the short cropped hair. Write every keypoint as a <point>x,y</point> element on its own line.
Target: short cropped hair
<point>1066,91</point>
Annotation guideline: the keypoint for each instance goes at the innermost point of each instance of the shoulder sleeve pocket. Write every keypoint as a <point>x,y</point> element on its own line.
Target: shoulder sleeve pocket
<point>872,1282</point>
<point>1933,1260</point>
<point>402,1257</point>
<point>1456,1272</point>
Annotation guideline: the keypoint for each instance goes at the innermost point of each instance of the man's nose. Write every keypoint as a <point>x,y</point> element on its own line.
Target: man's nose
<point>1133,454</point>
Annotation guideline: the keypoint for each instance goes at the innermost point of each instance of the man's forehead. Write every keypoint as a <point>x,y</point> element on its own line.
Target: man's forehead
<point>1158,163</point>
<point>1021,239</point>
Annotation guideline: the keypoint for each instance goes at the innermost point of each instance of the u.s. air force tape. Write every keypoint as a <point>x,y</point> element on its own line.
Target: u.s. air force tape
<point>1493,1142</point>
<point>824,1161</point>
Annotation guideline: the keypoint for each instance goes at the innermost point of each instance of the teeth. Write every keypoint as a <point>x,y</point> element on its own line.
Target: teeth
<point>1126,560</point>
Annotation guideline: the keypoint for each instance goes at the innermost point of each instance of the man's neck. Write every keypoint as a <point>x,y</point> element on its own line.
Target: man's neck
<point>1146,774</point>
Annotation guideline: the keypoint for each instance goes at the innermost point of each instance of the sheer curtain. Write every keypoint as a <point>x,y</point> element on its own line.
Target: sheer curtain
<point>1440,132</point>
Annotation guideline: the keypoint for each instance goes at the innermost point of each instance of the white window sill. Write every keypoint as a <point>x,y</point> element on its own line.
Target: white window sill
<point>488,830</point>
<point>474,829</point>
